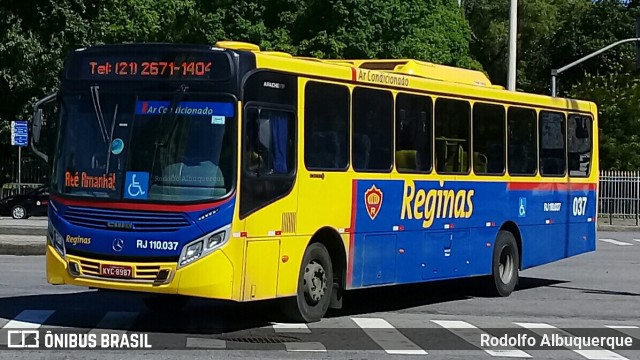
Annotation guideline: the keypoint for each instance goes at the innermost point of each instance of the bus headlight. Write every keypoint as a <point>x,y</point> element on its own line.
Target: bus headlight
<point>56,240</point>
<point>203,246</point>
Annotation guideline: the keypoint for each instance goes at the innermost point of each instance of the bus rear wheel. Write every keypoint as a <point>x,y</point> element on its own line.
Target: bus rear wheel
<point>315,286</point>
<point>506,261</point>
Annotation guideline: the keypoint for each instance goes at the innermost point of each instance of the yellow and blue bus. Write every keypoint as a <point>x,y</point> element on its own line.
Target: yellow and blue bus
<point>232,173</point>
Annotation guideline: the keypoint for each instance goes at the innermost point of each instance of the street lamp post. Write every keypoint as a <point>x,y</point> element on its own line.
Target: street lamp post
<point>556,72</point>
<point>513,32</point>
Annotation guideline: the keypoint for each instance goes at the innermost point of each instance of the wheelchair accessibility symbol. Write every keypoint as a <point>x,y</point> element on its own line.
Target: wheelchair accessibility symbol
<point>136,185</point>
<point>522,207</point>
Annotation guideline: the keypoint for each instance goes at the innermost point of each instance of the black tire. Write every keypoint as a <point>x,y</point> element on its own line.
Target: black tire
<point>165,303</point>
<point>19,212</point>
<point>311,303</point>
<point>506,261</point>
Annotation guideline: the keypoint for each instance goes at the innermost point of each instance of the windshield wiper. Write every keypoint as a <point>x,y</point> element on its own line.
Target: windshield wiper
<point>95,97</point>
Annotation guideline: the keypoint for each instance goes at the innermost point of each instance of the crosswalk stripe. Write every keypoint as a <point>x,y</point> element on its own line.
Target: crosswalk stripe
<point>305,346</point>
<point>115,322</point>
<point>472,335</point>
<point>29,319</point>
<point>638,240</point>
<point>388,337</point>
<point>598,354</point>
<point>203,343</point>
<point>616,242</point>
<point>622,327</point>
<point>299,328</point>
<point>26,320</point>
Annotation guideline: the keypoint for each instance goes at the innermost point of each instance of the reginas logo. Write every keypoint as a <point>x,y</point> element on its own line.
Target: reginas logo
<point>435,204</point>
<point>373,201</point>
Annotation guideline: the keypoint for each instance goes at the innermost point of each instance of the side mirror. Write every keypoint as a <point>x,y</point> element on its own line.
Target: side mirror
<point>37,125</point>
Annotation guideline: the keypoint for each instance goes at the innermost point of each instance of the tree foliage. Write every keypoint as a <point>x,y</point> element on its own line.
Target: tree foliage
<point>36,35</point>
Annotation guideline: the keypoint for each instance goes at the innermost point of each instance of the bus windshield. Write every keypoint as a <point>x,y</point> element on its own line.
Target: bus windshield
<point>165,147</point>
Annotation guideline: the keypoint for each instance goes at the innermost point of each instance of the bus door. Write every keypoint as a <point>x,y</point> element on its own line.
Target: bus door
<point>267,193</point>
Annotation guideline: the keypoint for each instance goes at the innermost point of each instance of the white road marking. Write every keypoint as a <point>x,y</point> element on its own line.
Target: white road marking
<point>638,240</point>
<point>203,343</point>
<point>472,335</point>
<point>29,319</point>
<point>616,242</point>
<point>26,320</point>
<point>387,337</point>
<point>291,328</point>
<point>597,354</point>
<point>622,327</point>
<point>305,346</point>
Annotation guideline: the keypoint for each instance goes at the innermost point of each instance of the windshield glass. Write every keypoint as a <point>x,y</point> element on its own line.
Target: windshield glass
<point>170,147</point>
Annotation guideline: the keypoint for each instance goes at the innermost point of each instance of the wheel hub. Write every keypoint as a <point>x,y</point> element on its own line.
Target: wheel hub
<point>18,212</point>
<point>315,281</point>
<point>505,269</point>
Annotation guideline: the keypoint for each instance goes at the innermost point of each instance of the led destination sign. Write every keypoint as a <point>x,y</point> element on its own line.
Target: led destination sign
<point>118,65</point>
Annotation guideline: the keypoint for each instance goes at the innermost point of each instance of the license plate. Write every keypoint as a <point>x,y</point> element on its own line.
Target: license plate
<point>118,271</point>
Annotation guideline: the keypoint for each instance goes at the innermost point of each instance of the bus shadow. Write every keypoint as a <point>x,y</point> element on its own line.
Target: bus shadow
<point>402,297</point>
<point>87,309</point>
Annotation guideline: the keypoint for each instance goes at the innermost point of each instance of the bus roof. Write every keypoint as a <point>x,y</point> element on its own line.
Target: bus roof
<point>410,74</point>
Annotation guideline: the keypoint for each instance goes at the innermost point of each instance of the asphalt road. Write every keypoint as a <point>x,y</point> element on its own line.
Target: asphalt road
<point>595,294</point>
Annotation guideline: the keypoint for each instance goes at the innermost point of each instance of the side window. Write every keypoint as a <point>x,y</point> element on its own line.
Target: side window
<point>269,146</point>
<point>413,133</point>
<point>523,141</point>
<point>453,135</point>
<point>552,144</point>
<point>372,130</point>
<point>580,139</point>
<point>489,143</point>
<point>326,126</point>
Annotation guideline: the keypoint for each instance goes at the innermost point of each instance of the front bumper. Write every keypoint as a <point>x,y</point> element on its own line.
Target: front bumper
<point>209,277</point>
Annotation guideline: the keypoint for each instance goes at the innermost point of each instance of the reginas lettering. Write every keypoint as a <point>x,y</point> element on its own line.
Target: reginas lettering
<point>431,204</point>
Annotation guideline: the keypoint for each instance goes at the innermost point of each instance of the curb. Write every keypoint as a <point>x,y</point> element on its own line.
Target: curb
<point>618,228</point>
<point>15,230</point>
<point>23,249</point>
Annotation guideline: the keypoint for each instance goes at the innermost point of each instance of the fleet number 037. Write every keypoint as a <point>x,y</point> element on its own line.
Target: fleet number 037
<point>579,206</point>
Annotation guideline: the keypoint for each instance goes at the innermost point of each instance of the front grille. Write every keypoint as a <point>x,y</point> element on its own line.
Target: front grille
<point>125,220</point>
<point>141,273</point>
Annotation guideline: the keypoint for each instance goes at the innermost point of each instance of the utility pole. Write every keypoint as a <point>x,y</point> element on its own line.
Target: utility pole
<point>513,34</point>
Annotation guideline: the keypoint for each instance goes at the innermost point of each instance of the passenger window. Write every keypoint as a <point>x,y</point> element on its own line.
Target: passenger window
<point>326,126</point>
<point>552,144</point>
<point>523,140</point>
<point>452,127</point>
<point>372,141</point>
<point>580,140</point>
<point>489,143</point>
<point>413,133</point>
<point>270,142</point>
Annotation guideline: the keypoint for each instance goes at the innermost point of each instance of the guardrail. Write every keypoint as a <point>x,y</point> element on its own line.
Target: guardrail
<point>619,196</point>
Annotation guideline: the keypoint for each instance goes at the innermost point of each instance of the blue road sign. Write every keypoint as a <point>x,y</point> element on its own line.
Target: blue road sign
<point>19,133</point>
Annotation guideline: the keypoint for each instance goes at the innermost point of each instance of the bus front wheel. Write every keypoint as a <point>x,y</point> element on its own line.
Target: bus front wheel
<point>506,260</point>
<point>315,285</point>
